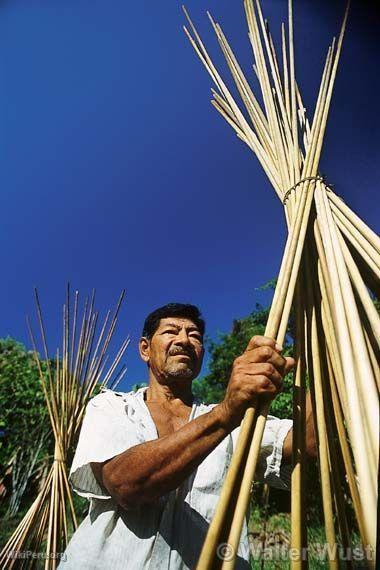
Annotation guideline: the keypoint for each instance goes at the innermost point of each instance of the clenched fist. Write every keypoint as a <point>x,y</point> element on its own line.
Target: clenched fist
<point>257,373</point>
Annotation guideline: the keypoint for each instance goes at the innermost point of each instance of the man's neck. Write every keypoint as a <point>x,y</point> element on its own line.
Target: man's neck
<point>174,393</point>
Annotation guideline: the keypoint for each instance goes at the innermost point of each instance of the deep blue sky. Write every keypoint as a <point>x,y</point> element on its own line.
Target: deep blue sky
<point>116,172</point>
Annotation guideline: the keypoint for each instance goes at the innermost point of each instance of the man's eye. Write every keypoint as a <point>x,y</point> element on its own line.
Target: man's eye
<point>197,337</point>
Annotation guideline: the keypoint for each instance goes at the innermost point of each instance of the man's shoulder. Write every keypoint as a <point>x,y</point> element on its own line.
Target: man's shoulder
<point>111,398</point>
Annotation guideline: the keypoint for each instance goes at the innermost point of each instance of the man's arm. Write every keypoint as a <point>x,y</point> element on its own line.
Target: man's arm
<point>148,470</point>
<point>310,439</point>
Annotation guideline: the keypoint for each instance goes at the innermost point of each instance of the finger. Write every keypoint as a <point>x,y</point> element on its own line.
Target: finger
<point>273,374</point>
<point>290,364</point>
<point>265,354</point>
<point>265,369</point>
<point>264,387</point>
<point>257,341</point>
<point>255,375</point>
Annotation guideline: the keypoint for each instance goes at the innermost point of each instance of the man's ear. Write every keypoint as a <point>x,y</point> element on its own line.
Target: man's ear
<point>144,348</point>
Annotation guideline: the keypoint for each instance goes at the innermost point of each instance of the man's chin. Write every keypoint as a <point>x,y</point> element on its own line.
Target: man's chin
<point>178,372</point>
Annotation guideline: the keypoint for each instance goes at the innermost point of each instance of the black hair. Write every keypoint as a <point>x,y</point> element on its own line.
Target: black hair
<point>183,310</point>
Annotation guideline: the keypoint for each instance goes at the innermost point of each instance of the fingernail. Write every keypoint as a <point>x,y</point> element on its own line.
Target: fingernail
<point>278,347</point>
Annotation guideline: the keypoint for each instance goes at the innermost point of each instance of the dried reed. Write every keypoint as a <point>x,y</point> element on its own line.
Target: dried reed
<point>331,260</point>
<point>72,378</point>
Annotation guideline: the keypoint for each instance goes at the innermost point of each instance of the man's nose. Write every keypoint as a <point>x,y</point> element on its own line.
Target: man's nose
<point>182,337</point>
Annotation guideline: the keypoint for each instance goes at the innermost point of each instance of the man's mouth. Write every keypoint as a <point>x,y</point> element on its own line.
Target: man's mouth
<point>182,355</point>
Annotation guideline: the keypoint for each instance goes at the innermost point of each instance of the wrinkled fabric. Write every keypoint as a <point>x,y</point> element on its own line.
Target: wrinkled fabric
<point>170,533</point>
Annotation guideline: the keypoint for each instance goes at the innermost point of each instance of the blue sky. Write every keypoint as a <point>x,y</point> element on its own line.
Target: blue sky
<point>116,172</point>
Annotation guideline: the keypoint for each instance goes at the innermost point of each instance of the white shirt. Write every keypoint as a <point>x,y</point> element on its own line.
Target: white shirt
<point>168,535</point>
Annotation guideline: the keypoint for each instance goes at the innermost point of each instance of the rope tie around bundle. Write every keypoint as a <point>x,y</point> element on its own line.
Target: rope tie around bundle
<point>308,178</point>
<point>330,263</point>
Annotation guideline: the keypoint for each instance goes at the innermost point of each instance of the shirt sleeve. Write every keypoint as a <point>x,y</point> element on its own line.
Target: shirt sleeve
<point>106,432</point>
<point>270,468</point>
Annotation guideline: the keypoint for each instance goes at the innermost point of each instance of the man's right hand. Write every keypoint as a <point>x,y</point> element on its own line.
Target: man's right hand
<point>257,373</point>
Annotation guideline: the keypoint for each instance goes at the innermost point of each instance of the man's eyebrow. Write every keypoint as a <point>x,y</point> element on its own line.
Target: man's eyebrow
<point>193,328</point>
<point>175,325</point>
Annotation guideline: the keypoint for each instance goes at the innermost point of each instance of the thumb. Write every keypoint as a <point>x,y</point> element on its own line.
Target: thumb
<point>290,364</point>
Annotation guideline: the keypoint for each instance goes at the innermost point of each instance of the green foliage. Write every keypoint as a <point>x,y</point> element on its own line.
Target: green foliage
<point>23,412</point>
<point>24,420</point>
<point>269,285</point>
<point>138,385</point>
<point>9,524</point>
<point>282,405</point>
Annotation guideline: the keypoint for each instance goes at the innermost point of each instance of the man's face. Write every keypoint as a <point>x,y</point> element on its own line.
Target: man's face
<point>175,351</point>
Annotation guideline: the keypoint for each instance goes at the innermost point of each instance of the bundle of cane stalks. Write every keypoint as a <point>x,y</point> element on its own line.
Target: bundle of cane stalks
<point>73,376</point>
<point>329,273</point>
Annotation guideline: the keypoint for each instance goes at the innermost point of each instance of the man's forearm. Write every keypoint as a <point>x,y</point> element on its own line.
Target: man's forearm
<point>146,471</point>
<point>311,442</point>
<point>310,439</point>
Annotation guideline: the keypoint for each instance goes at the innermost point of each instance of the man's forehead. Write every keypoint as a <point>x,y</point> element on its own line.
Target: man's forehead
<point>178,322</point>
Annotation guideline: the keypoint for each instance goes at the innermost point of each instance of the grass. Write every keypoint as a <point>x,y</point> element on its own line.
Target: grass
<point>276,547</point>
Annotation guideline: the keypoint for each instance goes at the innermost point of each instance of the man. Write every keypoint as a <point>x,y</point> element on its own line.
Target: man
<point>153,462</point>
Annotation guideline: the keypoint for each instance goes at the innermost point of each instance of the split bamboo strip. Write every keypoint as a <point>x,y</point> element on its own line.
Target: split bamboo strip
<point>375,358</point>
<point>351,480</point>
<point>330,326</point>
<point>355,236</point>
<point>367,255</point>
<point>358,433</point>
<point>298,513</point>
<point>323,388</point>
<point>369,234</point>
<point>322,438</point>
<point>367,385</point>
<point>362,291</point>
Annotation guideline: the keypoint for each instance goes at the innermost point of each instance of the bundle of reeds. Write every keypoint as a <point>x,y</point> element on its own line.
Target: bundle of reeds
<point>330,265</point>
<point>73,376</point>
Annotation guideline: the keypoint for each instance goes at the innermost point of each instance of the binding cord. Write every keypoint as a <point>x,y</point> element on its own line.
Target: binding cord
<point>318,177</point>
